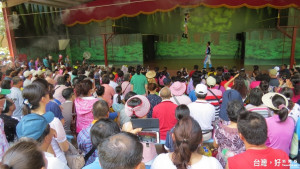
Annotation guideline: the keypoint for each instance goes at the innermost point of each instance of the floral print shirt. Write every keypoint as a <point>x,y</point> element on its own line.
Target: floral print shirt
<point>229,143</point>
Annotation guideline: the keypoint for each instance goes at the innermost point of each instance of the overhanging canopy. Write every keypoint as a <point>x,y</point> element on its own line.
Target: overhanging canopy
<point>55,3</point>
<point>100,10</point>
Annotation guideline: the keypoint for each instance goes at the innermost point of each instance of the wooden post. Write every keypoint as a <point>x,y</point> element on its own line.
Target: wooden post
<point>105,49</point>
<point>292,58</point>
<point>9,34</point>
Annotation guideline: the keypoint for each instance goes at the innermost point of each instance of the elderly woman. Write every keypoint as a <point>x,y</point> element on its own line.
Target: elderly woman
<point>256,104</point>
<point>226,137</point>
<point>178,94</point>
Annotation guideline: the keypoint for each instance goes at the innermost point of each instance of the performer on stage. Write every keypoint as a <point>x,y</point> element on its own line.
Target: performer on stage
<point>207,56</point>
<point>186,19</point>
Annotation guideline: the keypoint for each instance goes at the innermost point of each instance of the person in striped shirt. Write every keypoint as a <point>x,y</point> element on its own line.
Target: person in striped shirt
<point>214,96</point>
<point>256,104</point>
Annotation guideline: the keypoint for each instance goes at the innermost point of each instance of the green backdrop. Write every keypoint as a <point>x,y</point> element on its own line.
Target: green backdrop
<point>38,35</point>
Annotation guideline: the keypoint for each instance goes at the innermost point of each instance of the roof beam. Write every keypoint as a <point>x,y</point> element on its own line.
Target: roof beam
<point>50,3</point>
<point>82,1</point>
<point>11,3</point>
<point>69,2</point>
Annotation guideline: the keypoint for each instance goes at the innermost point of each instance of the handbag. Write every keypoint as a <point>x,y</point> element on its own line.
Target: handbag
<point>74,158</point>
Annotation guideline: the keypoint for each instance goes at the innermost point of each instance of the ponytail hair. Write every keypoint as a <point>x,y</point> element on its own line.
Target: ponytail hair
<point>32,95</point>
<point>280,103</point>
<point>119,92</point>
<point>188,137</point>
<point>288,93</point>
<point>100,90</point>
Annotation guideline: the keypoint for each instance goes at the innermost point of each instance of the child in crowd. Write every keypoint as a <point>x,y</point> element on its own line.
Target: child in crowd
<point>118,98</point>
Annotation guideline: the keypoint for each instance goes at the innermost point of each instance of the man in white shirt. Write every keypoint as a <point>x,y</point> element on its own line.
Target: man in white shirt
<point>28,75</point>
<point>16,96</point>
<point>112,83</point>
<point>202,111</point>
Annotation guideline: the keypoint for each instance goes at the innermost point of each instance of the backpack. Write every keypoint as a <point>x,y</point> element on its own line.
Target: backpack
<point>161,80</point>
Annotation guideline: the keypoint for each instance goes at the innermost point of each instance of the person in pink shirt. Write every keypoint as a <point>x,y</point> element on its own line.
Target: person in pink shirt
<point>295,85</point>
<point>178,90</point>
<point>126,87</point>
<point>280,125</point>
<point>59,88</point>
<point>84,104</point>
<point>109,92</point>
<point>37,63</point>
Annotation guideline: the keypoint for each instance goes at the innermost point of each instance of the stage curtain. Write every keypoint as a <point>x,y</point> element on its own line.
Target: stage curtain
<point>100,10</point>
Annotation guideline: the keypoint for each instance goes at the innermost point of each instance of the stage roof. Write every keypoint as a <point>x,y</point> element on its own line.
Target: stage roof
<point>55,3</point>
<point>100,10</point>
<point>85,11</point>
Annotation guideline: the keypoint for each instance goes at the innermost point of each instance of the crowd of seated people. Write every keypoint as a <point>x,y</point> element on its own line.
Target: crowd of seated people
<point>211,118</point>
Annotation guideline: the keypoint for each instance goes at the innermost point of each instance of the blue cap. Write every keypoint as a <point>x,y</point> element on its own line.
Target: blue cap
<point>33,125</point>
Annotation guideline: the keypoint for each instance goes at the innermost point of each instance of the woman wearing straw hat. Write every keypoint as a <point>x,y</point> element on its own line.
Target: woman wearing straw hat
<point>150,75</point>
<point>280,125</point>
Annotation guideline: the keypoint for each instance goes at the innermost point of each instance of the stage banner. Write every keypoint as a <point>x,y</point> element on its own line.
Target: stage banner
<point>100,10</point>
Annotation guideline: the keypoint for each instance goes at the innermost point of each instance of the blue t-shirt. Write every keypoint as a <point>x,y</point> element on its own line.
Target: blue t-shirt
<point>192,96</point>
<point>55,109</point>
<point>113,115</point>
<point>30,66</point>
<point>93,165</point>
<point>45,61</point>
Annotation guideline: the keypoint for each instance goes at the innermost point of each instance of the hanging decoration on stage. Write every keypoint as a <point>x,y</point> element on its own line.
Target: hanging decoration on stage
<point>185,25</point>
<point>86,57</point>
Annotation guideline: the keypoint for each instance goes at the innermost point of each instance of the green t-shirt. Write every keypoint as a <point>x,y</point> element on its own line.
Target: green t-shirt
<point>139,82</point>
